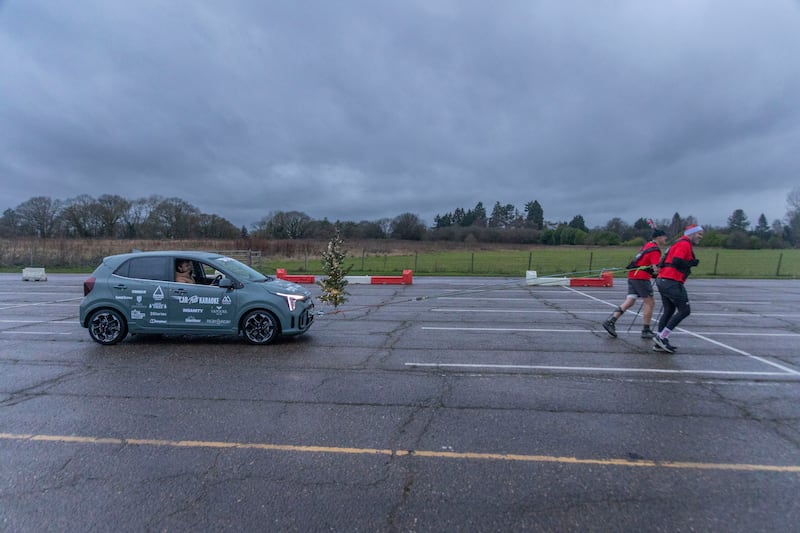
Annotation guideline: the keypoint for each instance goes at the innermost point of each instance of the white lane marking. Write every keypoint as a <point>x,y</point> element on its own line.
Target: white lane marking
<point>597,369</point>
<point>699,335</point>
<point>56,321</point>
<point>15,332</point>
<point>723,345</point>
<point>36,304</point>
<point>549,311</point>
<point>540,330</point>
<point>549,299</point>
<point>742,352</point>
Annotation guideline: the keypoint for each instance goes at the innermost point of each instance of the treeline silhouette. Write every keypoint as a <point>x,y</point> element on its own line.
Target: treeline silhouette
<point>157,217</point>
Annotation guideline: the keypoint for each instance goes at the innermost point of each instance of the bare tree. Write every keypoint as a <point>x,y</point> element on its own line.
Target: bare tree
<point>408,227</point>
<point>78,216</point>
<point>110,210</point>
<point>284,224</point>
<point>173,218</point>
<point>39,215</point>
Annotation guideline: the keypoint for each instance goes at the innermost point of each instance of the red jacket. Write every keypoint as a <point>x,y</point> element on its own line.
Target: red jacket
<point>679,261</point>
<point>650,255</point>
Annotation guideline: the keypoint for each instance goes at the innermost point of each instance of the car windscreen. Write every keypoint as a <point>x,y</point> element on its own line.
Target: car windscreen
<point>238,270</point>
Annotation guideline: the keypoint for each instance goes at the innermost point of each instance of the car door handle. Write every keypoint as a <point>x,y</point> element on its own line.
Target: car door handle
<point>120,287</point>
<point>179,292</point>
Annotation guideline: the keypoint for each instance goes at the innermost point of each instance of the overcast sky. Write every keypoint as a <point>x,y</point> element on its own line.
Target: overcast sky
<point>366,109</point>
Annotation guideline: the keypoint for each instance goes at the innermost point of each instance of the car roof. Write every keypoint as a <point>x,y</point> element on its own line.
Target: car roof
<point>183,254</point>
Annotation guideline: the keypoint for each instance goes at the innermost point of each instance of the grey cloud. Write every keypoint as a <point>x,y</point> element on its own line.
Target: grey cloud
<point>366,110</point>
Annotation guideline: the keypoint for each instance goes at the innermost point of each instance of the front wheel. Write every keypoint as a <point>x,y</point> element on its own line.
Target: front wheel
<point>260,327</point>
<point>107,326</point>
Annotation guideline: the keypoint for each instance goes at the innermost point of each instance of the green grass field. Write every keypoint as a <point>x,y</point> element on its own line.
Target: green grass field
<point>391,257</point>
<point>557,260</point>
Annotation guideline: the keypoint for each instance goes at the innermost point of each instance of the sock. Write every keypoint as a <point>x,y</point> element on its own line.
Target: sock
<point>664,333</point>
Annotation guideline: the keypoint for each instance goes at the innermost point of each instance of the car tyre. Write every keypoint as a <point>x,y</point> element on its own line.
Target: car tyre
<point>260,327</point>
<point>107,326</point>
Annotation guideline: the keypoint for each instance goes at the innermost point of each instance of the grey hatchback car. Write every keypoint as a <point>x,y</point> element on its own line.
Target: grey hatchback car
<point>190,293</point>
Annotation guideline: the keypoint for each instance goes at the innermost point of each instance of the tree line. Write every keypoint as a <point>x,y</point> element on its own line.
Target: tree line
<point>156,217</point>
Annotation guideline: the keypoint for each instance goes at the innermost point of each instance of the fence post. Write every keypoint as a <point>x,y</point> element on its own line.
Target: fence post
<point>472,264</point>
<point>778,270</point>
<point>716,261</point>
<point>416,260</point>
<point>591,260</point>
<point>530,259</point>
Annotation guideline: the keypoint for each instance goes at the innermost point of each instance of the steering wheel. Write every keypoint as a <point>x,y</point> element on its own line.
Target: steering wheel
<point>216,280</point>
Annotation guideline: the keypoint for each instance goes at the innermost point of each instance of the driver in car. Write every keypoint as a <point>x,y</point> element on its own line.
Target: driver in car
<point>183,271</point>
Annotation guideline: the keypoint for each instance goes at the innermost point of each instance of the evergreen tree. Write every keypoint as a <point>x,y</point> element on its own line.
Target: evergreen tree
<point>738,221</point>
<point>577,222</point>
<point>333,286</point>
<point>535,214</point>
<point>762,228</point>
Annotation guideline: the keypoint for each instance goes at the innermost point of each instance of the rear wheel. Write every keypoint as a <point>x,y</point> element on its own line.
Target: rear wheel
<point>107,326</point>
<point>260,327</point>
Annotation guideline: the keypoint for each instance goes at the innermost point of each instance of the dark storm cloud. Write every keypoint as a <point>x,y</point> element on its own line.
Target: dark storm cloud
<point>368,109</point>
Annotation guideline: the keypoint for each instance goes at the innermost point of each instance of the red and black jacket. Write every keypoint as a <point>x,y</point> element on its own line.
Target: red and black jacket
<point>678,262</point>
<point>648,255</point>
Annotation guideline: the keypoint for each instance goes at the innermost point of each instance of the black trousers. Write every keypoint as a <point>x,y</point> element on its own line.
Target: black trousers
<point>676,303</point>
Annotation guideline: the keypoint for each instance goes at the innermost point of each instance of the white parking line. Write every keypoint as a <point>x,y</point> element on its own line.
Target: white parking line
<point>784,370</point>
<point>600,369</point>
<point>582,312</point>
<point>57,303</point>
<point>15,332</point>
<point>697,334</point>
<point>538,330</point>
<point>550,299</point>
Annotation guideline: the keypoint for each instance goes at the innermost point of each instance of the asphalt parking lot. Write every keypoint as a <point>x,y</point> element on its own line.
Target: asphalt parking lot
<point>449,404</point>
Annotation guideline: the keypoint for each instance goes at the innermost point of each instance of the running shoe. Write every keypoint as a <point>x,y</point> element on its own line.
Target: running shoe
<point>662,345</point>
<point>610,328</point>
<point>647,333</point>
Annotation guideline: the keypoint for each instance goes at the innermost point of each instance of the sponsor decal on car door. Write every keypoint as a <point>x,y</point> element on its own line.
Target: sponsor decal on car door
<point>143,303</point>
<point>204,308</point>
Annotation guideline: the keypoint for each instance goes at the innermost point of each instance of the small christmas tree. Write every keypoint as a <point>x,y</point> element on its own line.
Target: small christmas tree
<point>333,286</point>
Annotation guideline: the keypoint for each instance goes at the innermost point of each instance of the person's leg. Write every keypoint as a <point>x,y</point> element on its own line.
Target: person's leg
<point>683,310</point>
<point>666,289</point>
<point>610,324</point>
<point>648,305</point>
<point>666,301</point>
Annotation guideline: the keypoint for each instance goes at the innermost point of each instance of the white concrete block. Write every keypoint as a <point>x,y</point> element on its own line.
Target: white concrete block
<point>34,274</point>
<point>532,279</point>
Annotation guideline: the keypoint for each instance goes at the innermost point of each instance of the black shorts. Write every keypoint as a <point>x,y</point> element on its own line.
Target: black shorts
<point>640,287</point>
<point>674,291</point>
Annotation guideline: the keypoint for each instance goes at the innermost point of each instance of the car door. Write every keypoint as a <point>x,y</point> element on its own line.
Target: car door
<point>137,286</point>
<point>201,308</point>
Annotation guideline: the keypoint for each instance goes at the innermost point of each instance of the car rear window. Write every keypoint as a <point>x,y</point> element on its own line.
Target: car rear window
<point>157,268</point>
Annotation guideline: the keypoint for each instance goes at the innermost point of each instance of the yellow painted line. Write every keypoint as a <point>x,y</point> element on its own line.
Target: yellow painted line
<point>686,465</point>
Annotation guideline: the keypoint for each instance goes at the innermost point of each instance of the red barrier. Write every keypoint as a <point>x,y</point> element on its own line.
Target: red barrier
<point>281,274</point>
<point>405,279</point>
<point>606,279</point>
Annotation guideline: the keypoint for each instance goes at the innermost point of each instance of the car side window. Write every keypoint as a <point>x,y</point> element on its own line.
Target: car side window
<point>155,268</point>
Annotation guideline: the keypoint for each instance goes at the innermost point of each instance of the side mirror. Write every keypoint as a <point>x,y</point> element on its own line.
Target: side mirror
<point>226,283</point>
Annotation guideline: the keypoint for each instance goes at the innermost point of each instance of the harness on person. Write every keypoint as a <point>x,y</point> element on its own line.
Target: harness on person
<point>679,264</point>
<point>636,258</point>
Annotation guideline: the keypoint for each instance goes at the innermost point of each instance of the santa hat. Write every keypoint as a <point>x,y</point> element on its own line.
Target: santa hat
<point>692,229</point>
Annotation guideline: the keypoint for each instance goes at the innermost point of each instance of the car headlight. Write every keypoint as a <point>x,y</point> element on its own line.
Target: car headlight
<point>292,299</point>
